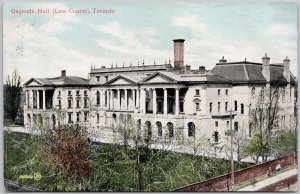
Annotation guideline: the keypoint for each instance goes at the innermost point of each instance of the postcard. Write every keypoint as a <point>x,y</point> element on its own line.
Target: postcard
<point>160,96</point>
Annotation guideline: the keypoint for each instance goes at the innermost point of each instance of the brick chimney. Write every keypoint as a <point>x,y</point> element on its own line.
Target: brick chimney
<point>63,73</point>
<point>266,67</point>
<point>202,70</point>
<point>178,53</point>
<point>286,69</point>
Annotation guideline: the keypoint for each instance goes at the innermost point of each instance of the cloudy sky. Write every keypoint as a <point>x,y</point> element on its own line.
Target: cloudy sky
<point>40,45</point>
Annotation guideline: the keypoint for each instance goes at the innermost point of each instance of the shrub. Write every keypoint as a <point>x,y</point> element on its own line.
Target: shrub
<point>66,149</point>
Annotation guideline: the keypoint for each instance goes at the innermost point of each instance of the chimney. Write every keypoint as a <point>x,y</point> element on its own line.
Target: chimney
<point>266,67</point>
<point>223,60</point>
<point>202,70</point>
<point>63,73</point>
<point>178,53</point>
<point>286,69</point>
<point>187,68</point>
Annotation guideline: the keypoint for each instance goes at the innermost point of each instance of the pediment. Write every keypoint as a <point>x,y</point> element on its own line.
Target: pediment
<point>159,79</point>
<point>120,81</point>
<point>33,82</point>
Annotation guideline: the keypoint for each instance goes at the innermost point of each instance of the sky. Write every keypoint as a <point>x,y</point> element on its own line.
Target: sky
<point>41,45</point>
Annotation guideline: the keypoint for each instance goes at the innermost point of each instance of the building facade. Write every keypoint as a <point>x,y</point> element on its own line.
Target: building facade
<point>175,103</point>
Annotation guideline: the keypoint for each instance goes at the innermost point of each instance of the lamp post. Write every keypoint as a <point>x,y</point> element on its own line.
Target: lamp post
<point>231,133</point>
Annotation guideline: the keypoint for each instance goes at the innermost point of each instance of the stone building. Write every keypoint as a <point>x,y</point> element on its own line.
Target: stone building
<point>175,103</point>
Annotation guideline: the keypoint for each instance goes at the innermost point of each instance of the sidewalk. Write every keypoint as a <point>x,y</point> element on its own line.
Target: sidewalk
<point>270,180</point>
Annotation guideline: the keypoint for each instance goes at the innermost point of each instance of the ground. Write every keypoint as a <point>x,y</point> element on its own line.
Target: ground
<point>113,168</point>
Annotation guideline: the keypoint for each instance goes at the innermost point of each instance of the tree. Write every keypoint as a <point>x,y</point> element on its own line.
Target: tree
<point>264,122</point>
<point>12,95</point>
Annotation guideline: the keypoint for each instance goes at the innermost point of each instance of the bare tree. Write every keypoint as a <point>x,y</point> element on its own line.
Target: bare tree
<point>264,122</point>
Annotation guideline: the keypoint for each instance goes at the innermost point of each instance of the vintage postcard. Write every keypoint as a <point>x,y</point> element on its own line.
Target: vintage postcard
<point>153,96</point>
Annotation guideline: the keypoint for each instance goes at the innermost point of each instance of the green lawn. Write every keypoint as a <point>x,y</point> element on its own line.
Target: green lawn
<point>113,168</point>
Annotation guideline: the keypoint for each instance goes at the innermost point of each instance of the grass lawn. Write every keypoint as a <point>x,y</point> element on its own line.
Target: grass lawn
<point>113,168</point>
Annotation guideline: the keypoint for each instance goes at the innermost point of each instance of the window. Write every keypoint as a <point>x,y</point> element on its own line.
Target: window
<point>219,106</point>
<point>77,103</point>
<point>85,116</point>
<point>70,117</point>
<point>242,109</point>
<point>197,105</point>
<point>191,129</point>
<point>283,95</point>
<point>69,103</point>
<point>235,105</point>
<point>216,123</point>
<point>236,126</point>
<point>253,91</point>
<point>226,106</point>
<point>85,102</point>
<point>262,94</point>
<point>171,129</point>
<point>77,92</point>
<point>210,107</point>
<point>219,92</point>
<point>85,92</point>
<point>216,136</point>
<point>227,124</point>
<point>69,93</point>
<point>98,118</point>
<point>106,78</point>
<point>98,78</point>
<point>159,128</point>
<point>98,97</point>
<point>59,104</point>
<point>78,117</point>
<point>197,93</point>
<point>226,92</point>
<point>59,93</point>
<point>250,129</point>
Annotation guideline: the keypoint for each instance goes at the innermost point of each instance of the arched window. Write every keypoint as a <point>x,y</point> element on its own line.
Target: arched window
<point>148,131</point>
<point>98,97</point>
<point>114,117</point>
<point>159,129</point>
<point>242,108</point>
<point>28,118</point>
<point>171,129</point>
<point>253,91</point>
<point>191,129</point>
<point>53,121</point>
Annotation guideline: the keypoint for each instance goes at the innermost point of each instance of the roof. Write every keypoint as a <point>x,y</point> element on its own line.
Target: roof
<point>249,72</point>
<point>59,81</point>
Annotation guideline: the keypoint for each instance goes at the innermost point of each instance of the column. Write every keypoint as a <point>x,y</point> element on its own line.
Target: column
<point>165,101</point>
<point>126,100</point>
<point>143,101</point>
<point>107,98</point>
<point>44,99</point>
<point>138,98</point>
<point>111,98</point>
<point>154,101</point>
<point>177,101</point>
<point>119,99</point>
<point>133,97</point>
<point>37,99</point>
<point>31,98</point>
